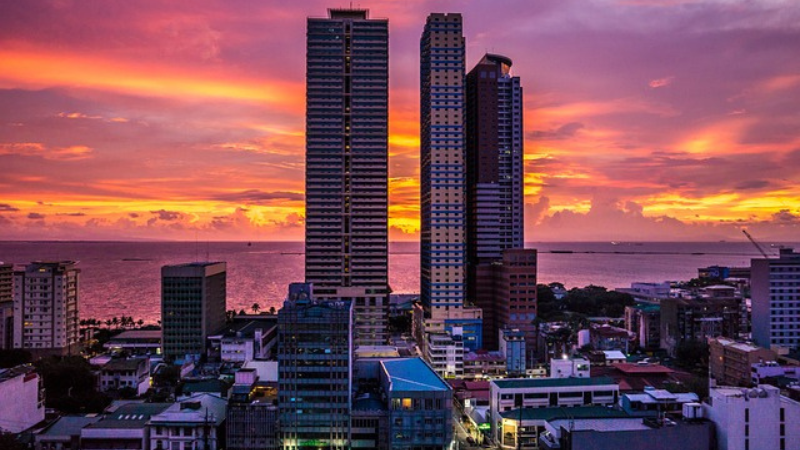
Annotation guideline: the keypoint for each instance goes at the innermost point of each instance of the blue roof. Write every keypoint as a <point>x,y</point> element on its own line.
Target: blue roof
<point>412,374</point>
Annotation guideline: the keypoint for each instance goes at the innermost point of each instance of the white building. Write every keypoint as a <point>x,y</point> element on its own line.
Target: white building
<point>120,373</point>
<point>21,399</point>
<point>528,394</point>
<point>445,353</point>
<point>46,308</point>
<point>193,424</point>
<point>771,369</point>
<point>569,367</point>
<point>753,419</point>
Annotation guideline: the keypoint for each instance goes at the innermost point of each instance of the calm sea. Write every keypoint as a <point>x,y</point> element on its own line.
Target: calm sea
<point>122,278</point>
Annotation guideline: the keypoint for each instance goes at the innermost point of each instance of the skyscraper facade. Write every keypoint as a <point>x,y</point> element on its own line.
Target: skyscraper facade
<point>494,160</point>
<point>346,245</point>
<point>775,292</point>
<point>46,308</point>
<point>193,299</point>
<point>442,194</point>
<point>315,360</point>
<point>495,183</point>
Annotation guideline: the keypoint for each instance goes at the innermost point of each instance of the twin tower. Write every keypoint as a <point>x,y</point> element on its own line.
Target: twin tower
<point>471,170</point>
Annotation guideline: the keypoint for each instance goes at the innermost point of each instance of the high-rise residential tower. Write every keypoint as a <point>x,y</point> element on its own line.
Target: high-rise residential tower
<point>495,188</point>
<point>193,298</point>
<point>346,246</point>
<point>494,160</point>
<point>46,308</point>
<point>442,196</point>
<point>775,292</point>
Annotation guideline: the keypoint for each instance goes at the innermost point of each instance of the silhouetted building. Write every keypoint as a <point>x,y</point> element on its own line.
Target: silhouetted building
<point>698,319</point>
<point>6,306</point>
<point>347,80</point>
<point>193,298</point>
<point>46,308</point>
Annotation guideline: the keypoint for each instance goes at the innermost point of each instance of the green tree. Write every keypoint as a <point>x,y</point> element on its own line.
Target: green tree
<point>693,356</point>
<point>14,357</point>
<point>255,308</point>
<point>70,385</point>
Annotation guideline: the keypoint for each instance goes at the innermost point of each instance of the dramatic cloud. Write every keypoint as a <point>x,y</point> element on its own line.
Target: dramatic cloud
<point>169,120</point>
<point>167,215</point>
<point>35,216</point>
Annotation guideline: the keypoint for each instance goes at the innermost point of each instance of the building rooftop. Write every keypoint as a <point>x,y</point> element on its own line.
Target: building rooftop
<point>123,364</point>
<point>515,383</point>
<point>549,414</point>
<point>484,357</point>
<point>69,425</point>
<point>412,374</point>
<point>200,408</point>
<point>7,374</point>
<point>638,368</point>
<point>601,424</point>
<point>653,396</point>
<point>138,335</point>
<point>131,415</point>
<point>614,354</point>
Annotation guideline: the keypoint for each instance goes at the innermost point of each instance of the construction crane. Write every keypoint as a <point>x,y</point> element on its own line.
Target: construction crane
<point>760,249</point>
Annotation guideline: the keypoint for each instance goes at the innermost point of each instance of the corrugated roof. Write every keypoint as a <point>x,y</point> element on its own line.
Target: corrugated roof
<point>515,383</point>
<point>132,415</point>
<point>581,412</point>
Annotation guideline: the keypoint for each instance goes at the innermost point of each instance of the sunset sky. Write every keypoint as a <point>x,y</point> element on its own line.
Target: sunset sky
<point>659,120</point>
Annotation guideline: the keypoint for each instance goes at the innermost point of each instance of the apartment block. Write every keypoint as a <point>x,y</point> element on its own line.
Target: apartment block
<point>46,308</point>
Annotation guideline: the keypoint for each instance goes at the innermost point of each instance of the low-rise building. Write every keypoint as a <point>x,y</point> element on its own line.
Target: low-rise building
<point>21,399</point>
<point>122,427</point>
<point>136,342</point>
<point>636,377</point>
<point>522,427</point>
<point>700,318</point>
<point>64,433</point>
<point>634,433</point>
<point>730,363</point>
<point>753,419</point>
<point>445,353</point>
<point>483,364</point>
<point>119,373</point>
<point>654,401</point>
<point>570,368</point>
<point>606,337</point>
<point>509,394</point>
<point>241,341</point>
<point>771,372</point>
<point>194,423</point>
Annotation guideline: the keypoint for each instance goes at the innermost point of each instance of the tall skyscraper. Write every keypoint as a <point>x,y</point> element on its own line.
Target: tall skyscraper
<point>347,80</point>
<point>46,308</point>
<point>192,306</point>
<point>494,160</point>
<point>775,292</point>
<point>315,360</point>
<point>443,248</point>
<point>495,184</point>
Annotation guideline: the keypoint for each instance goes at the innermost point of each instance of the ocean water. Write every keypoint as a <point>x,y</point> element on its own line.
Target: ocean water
<point>123,278</point>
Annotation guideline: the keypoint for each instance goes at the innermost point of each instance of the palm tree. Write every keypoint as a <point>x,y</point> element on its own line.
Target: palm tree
<point>115,321</point>
<point>140,322</point>
<point>255,308</point>
<point>272,310</point>
<point>108,322</point>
